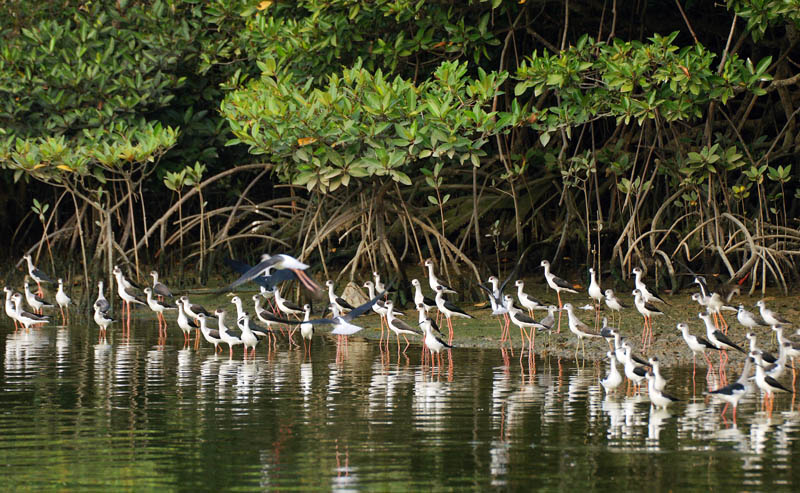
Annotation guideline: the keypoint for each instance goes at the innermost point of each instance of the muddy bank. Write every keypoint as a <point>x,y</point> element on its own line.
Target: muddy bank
<point>484,330</point>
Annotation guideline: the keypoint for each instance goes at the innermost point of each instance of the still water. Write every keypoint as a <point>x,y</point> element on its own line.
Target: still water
<point>136,415</point>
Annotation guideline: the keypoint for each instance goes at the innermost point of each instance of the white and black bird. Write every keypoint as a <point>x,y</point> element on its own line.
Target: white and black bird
<point>612,302</point>
<point>229,335</point>
<point>749,319</point>
<point>186,324</point>
<point>266,316</point>
<point>716,337</point>
<point>159,288</point>
<point>398,326</point>
<point>765,355</point>
<point>343,324</point>
<point>285,306</point>
<point>9,306</point>
<point>734,392</point>
<point>498,307</point>
<point>527,301</point>
<point>278,262</point>
<point>579,328</point>
<point>379,307</point>
<point>557,284</point>
<point>27,319</point>
<point>767,383</point>
<point>36,274</point>
<point>125,290</point>
<point>647,293</point>
<point>434,343</point>
<point>420,298</point>
<point>337,300</point>
<point>614,378</point>
<point>103,320</point>
<point>659,398</point>
<point>307,329</point>
<point>434,281</point>
<point>773,318</point>
<point>523,321</point>
<point>647,310</point>
<point>696,345</point>
<point>36,302</point>
<point>212,336</point>
<point>159,307</point>
<point>594,288</point>
<point>63,301</point>
<point>101,302</point>
<point>449,310</point>
<point>634,372</point>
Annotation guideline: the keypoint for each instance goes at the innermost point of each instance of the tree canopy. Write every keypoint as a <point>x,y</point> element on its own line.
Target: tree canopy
<point>655,133</point>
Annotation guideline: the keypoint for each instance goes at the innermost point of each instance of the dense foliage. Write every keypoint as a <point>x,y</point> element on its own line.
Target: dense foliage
<point>374,134</point>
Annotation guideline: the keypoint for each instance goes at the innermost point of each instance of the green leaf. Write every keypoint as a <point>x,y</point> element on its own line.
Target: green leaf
<point>544,138</point>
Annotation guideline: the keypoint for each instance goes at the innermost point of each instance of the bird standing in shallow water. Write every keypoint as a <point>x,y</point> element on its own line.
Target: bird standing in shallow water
<point>696,344</point>
<point>614,378</point>
<point>449,310</point>
<point>63,302</point>
<point>432,341</point>
<point>659,398</point>
<point>103,321</point>
<point>767,383</point>
<point>101,302</point>
<point>647,310</point>
<point>36,302</point>
<point>159,288</point>
<point>732,393</point>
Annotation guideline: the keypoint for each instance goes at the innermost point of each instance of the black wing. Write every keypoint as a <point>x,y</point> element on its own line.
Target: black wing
<point>434,325</point>
<point>705,343</point>
<point>491,293</point>
<point>725,340</point>
<point>254,271</point>
<point>776,384</point>
<point>729,389</point>
<point>455,309</point>
<point>161,289</point>
<point>344,304</point>
<point>360,310</point>
<point>243,268</point>
<point>234,332</point>
<point>41,275</point>
<point>272,318</point>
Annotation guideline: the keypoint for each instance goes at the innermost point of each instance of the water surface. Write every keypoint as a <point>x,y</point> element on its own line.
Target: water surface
<point>76,413</point>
